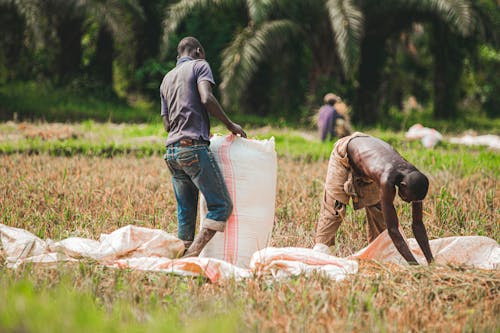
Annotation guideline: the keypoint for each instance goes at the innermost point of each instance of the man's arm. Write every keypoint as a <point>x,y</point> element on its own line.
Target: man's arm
<point>166,124</point>
<point>387,197</point>
<point>419,230</point>
<point>213,107</point>
<point>164,113</point>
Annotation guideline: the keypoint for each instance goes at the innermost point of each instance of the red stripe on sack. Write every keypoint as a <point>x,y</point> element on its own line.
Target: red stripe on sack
<point>231,231</point>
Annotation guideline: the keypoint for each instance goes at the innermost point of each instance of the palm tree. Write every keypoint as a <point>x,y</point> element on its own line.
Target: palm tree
<point>57,28</point>
<point>321,26</point>
<point>117,39</point>
<point>449,20</point>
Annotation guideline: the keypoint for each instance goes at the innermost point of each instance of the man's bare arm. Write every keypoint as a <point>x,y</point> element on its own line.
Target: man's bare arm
<point>387,197</point>
<point>419,230</point>
<point>214,108</point>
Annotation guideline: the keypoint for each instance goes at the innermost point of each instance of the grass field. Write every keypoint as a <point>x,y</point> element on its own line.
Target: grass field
<point>58,180</point>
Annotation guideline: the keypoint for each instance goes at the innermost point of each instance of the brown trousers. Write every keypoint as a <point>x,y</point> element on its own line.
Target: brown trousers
<point>341,186</point>
<point>330,220</point>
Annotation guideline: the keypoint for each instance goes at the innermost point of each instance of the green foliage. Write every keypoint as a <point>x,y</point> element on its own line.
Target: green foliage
<point>272,59</point>
<point>272,24</point>
<point>34,101</point>
<point>65,307</point>
<point>481,82</point>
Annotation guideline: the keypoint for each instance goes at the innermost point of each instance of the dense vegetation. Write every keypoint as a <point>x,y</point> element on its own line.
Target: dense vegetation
<point>273,59</point>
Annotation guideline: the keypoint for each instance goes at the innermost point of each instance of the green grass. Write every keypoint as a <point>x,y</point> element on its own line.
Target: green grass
<point>91,138</point>
<point>57,303</point>
<point>40,102</point>
<point>86,195</point>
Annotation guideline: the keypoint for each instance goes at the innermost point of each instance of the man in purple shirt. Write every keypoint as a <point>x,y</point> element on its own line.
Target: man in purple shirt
<point>186,102</point>
<point>327,117</point>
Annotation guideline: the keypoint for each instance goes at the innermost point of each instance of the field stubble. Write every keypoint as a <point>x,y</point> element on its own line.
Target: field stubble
<point>57,197</point>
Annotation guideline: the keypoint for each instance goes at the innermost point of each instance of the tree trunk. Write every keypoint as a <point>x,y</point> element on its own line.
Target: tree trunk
<point>448,65</point>
<point>69,57</point>
<point>102,65</point>
<point>368,95</point>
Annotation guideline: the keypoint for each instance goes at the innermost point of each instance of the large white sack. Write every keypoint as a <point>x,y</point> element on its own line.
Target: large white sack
<point>249,168</point>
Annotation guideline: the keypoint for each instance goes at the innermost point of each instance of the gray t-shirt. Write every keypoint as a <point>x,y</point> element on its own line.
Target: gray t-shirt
<point>181,103</point>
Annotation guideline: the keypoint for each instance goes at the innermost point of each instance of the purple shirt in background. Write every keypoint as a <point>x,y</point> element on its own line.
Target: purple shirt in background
<point>181,103</point>
<point>326,121</point>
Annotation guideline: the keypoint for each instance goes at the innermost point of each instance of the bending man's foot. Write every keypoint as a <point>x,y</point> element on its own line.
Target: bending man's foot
<point>199,242</point>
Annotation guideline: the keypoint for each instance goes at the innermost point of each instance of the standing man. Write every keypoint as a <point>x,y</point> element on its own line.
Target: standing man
<point>368,171</point>
<point>186,100</point>
<point>327,117</point>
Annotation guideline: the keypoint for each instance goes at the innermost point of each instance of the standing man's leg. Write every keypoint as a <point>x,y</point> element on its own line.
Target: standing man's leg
<point>186,195</point>
<point>375,223</point>
<point>210,182</point>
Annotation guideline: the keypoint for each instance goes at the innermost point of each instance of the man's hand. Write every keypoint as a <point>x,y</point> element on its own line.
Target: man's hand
<point>236,129</point>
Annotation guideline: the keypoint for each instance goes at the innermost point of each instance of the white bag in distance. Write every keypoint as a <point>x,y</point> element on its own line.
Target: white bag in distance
<point>249,168</point>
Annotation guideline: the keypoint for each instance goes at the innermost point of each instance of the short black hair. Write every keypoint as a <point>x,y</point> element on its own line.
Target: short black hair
<point>417,184</point>
<point>188,44</point>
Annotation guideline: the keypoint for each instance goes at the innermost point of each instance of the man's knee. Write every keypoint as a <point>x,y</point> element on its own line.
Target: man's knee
<point>222,210</point>
<point>228,209</point>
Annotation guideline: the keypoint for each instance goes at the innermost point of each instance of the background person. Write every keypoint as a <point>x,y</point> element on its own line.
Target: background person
<point>327,118</point>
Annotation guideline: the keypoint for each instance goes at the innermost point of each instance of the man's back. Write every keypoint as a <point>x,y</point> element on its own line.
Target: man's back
<point>186,115</point>
<point>376,159</point>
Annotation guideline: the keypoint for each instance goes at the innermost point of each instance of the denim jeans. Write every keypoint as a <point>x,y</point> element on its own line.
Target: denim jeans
<point>195,170</point>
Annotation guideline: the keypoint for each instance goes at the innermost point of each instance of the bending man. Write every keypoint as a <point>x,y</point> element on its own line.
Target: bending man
<point>368,170</point>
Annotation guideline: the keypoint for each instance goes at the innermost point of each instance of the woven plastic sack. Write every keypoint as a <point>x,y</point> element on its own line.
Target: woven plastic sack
<point>249,168</point>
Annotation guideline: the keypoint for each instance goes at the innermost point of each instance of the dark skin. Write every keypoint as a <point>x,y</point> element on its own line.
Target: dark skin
<point>208,99</point>
<point>214,108</point>
<point>378,161</point>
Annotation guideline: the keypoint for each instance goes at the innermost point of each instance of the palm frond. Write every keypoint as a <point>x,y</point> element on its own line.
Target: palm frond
<point>36,20</point>
<point>177,12</point>
<point>116,15</point>
<point>258,9</point>
<point>249,48</point>
<point>457,13</point>
<point>347,25</point>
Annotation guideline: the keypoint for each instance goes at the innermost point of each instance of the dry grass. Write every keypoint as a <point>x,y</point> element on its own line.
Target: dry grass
<point>57,197</point>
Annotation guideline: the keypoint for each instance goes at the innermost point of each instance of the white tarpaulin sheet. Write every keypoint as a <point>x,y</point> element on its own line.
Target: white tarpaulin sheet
<point>154,250</point>
<point>490,140</point>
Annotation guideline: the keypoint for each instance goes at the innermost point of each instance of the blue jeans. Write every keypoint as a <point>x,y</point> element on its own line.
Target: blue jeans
<point>194,170</point>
